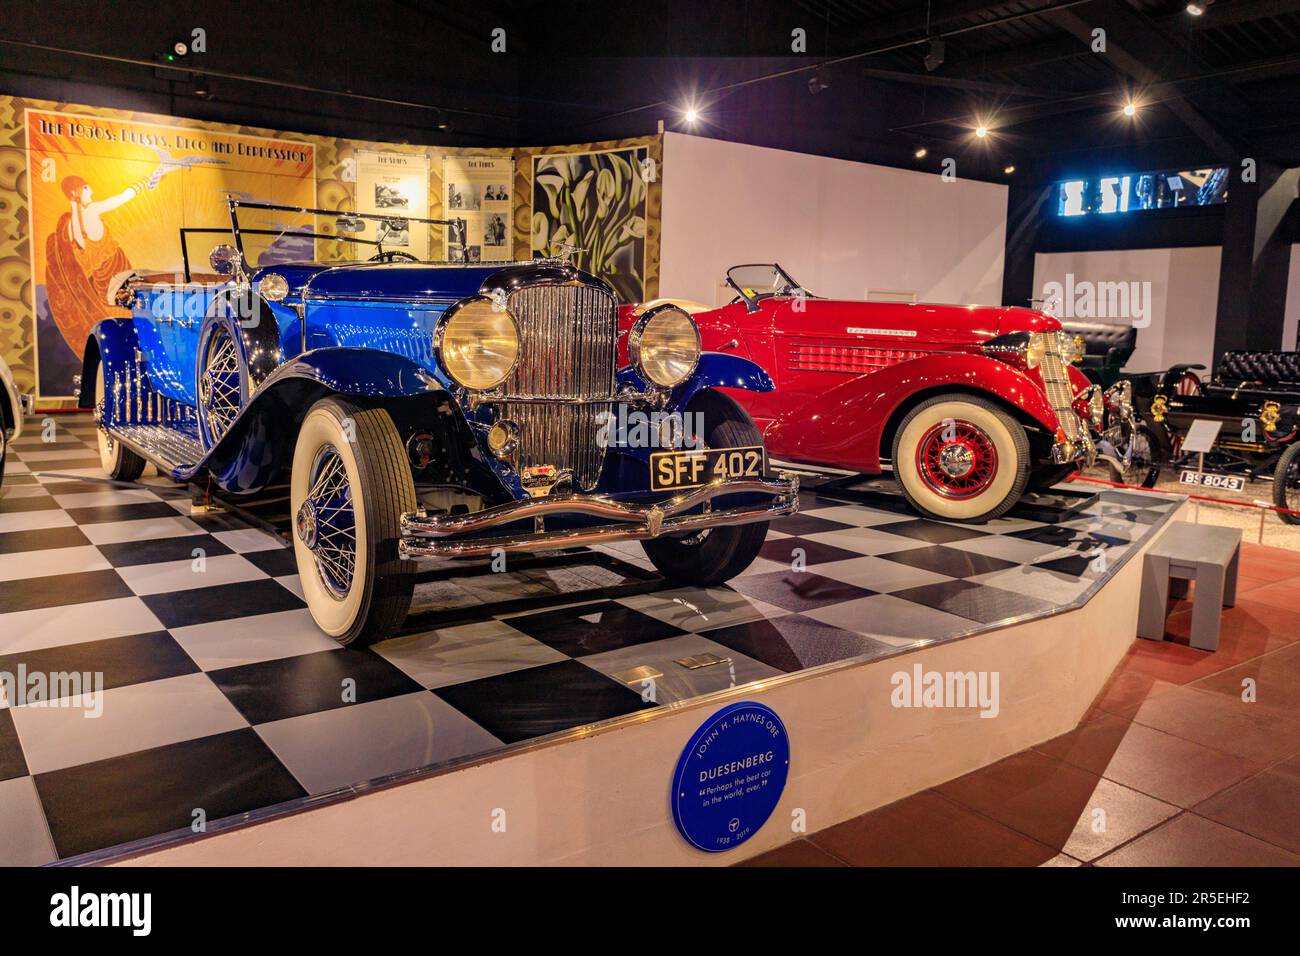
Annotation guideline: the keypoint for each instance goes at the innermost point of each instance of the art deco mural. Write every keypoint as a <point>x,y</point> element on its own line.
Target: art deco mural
<point>86,192</point>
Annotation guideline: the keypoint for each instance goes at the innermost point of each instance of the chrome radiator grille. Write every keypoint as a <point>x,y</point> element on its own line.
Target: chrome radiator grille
<point>566,353</point>
<point>1057,383</point>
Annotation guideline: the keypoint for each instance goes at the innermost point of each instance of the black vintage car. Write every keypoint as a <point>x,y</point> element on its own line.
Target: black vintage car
<point>1255,395</point>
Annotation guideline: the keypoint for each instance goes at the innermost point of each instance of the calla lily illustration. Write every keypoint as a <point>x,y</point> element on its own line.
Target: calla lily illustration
<point>595,202</point>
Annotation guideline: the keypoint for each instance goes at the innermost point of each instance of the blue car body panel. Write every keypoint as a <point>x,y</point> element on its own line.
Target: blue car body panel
<point>363,330</point>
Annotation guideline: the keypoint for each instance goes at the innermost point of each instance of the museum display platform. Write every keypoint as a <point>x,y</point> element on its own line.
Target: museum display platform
<point>536,715</point>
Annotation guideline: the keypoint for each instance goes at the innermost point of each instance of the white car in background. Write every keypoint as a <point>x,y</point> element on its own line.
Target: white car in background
<point>12,408</point>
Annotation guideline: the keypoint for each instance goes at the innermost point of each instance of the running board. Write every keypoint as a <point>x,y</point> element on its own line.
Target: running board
<point>165,447</point>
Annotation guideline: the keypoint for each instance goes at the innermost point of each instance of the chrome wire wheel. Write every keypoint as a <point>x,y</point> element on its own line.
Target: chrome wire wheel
<point>326,522</point>
<point>219,385</point>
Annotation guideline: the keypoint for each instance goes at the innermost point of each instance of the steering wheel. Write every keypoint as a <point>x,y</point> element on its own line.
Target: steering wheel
<point>393,255</point>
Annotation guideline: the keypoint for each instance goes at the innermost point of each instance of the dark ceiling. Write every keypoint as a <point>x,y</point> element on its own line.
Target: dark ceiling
<point>1215,88</point>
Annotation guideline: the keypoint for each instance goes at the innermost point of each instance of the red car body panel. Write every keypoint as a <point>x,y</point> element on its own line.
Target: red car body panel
<point>842,368</point>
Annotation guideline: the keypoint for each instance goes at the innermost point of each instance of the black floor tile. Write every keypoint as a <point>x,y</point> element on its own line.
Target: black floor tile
<point>975,602</point>
<point>12,763</point>
<point>150,792</point>
<point>43,539</point>
<point>276,562</point>
<point>797,590</point>
<point>160,550</point>
<point>541,700</point>
<point>1112,497</point>
<point>814,552</point>
<point>122,660</point>
<point>935,532</point>
<point>129,512</point>
<point>309,683</point>
<point>13,506</point>
<point>214,521</point>
<point>593,628</point>
<point>794,642</point>
<point>807,524</point>
<point>15,481</point>
<point>949,561</point>
<point>59,590</point>
<point>222,602</point>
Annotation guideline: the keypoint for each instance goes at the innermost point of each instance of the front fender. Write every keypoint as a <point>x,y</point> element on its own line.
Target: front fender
<point>257,442</point>
<point>114,343</point>
<point>719,370</point>
<point>845,426</point>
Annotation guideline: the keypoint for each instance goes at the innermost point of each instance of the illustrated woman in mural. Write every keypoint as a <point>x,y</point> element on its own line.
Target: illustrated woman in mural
<point>82,257</point>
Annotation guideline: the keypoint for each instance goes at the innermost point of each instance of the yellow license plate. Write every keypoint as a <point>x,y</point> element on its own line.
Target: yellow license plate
<point>689,469</point>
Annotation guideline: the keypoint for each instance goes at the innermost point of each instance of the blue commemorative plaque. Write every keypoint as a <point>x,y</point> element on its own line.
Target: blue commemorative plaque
<point>730,777</point>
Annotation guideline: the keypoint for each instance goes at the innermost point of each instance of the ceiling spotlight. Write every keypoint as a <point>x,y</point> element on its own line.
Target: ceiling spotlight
<point>692,115</point>
<point>981,131</point>
<point>1197,9</point>
<point>818,81</point>
<point>1009,169</point>
<point>201,88</point>
<point>921,152</point>
<point>934,56</point>
<point>1130,108</point>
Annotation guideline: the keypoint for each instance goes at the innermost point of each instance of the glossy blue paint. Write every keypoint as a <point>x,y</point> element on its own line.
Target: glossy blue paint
<point>366,331</point>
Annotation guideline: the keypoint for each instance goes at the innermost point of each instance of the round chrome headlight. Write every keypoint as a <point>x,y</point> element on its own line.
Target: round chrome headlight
<point>478,345</point>
<point>273,287</point>
<point>1035,349</point>
<point>664,345</point>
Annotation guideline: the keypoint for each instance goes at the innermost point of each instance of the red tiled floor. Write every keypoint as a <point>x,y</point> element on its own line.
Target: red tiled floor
<point>927,830</point>
<point>1266,806</point>
<point>1190,840</point>
<point>798,853</point>
<point>1168,768</point>
<point>1067,808</point>
<point>1224,724</point>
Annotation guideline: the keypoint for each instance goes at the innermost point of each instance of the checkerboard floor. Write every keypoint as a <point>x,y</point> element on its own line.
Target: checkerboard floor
<point>221,697</point>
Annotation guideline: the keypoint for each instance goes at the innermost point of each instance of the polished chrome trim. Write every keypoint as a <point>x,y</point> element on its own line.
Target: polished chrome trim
<point>427,535</point>
<point>637,331</point>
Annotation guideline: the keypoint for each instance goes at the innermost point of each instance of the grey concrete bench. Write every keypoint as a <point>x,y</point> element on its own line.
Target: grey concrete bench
<point>1186,552</point>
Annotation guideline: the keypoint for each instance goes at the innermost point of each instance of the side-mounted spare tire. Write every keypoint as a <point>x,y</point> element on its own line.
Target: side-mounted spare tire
<point>238,346</point>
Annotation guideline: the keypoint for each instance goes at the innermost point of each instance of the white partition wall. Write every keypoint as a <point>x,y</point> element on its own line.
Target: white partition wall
<point>840,227</point>
<point>1184,296</point>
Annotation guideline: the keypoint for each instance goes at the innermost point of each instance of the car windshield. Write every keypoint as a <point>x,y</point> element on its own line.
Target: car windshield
<point>761,280</point>
<point>269,233</point>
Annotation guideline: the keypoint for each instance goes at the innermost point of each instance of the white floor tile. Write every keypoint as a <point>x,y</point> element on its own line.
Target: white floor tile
<point>38,564</point>
<point>34,520</point>
<point>134,718</point>
<point>349,745</point>
<point>247,640</point>
<point>185,575</point>
<point>144,529</point>
<point>103,499</point>
<point>24,835</point>
<point>454,655</point>
<point>74,623</point>
<point>247,539</point>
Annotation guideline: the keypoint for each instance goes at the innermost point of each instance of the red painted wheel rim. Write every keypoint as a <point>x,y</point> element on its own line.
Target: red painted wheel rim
<point>957,460</point>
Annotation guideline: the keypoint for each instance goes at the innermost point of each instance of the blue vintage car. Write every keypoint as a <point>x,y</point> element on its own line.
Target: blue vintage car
<point>430,410</point>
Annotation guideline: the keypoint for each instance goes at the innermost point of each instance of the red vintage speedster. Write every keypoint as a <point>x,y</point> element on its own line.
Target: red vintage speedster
<point>971,405</point>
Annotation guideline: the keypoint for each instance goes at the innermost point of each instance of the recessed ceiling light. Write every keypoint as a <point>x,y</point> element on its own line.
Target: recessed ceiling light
<point>1196,9</point>
<point>921,152</point>
<point>981,131</point>
<point>1009,169</point>
<point>1130,108</point>
<point>692,114</point>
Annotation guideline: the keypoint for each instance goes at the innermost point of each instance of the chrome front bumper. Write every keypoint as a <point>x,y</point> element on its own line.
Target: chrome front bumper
<point>1082,452</point>
<point>442,536</point>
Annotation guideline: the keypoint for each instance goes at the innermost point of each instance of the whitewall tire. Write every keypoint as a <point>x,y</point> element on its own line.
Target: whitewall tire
<point>961,458</point>
<point>350,485</point>
<point>118,461</point>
